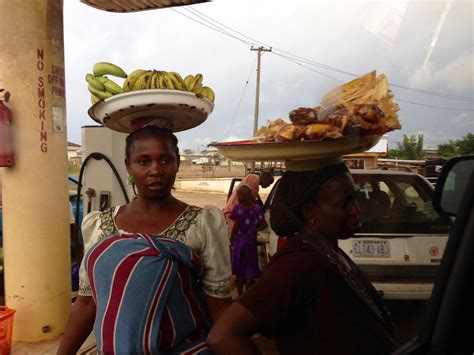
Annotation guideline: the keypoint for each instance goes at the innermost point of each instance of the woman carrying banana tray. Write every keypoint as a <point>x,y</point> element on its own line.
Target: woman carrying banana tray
<point>156,271</point>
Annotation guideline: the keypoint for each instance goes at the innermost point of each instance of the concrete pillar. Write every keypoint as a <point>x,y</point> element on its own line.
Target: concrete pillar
<point>35,195</point>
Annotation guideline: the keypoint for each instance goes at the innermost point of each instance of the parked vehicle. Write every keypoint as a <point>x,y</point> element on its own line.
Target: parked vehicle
<point>402,239</point>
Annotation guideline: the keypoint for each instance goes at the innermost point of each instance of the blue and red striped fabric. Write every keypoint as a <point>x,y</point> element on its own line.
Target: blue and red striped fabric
<point>147,295</point>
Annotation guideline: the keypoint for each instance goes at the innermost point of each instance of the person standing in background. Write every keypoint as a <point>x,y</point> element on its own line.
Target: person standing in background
<point>248,218</point>
<point>253,181</point>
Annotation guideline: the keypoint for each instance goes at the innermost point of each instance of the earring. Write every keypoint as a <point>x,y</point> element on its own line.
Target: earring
<point>130,180</point>
<point>312,221</point>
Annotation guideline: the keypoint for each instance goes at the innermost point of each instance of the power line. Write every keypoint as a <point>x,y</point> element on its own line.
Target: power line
<point>290,57</point>
<point>438,107</point>
<point>304,66</point>
<point>240,100</point>
<point>312,62</point>
<point>447,96</point>
<point>221,24</point>
<point>212,28</point>
<point>427,92</point>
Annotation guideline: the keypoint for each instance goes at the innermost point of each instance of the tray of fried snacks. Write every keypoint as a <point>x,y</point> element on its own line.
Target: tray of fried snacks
<point>361,107</point>
<point>351,118</point>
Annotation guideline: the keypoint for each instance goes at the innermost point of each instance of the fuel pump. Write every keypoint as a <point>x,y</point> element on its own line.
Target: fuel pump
<point>6,132</point>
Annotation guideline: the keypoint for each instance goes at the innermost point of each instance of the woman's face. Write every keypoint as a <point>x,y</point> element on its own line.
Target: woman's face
<point>153,164</point>
<point>335,212</point>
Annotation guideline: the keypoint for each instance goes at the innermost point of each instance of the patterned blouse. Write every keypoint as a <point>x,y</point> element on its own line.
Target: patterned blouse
<point>202,229</point>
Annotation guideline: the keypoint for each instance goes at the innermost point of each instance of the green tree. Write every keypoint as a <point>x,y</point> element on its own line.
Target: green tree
<point>447,150</point>
<point>411,147</point>
<point>465,146</point>
<point>393,154</point>
<point>188,151</point>
<point>454,148</point>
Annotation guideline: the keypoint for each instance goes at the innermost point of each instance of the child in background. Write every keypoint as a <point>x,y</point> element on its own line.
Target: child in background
<point>248,218</point>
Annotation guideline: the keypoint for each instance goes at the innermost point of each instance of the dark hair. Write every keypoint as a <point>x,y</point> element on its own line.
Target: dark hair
<point>153,131</point>
<point>266,174</point>
<point>295,188</point>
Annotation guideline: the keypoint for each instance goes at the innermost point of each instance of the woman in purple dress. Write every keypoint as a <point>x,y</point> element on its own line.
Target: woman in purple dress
<point>248,217</point>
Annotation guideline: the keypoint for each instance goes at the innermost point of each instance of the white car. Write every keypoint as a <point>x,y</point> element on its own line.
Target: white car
<point>402,239</point>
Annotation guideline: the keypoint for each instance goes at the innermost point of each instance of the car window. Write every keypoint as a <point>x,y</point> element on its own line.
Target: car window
<point>398,204</point>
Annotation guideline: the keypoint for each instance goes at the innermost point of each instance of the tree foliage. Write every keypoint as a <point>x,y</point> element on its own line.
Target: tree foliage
<point>463,146</point>
<point>411,148</point>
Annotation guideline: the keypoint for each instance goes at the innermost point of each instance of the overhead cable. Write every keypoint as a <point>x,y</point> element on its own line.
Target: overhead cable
<point>301,61</point>
<point>240,100</point>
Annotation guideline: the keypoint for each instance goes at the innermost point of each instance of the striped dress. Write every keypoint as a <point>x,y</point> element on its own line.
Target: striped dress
<point>148,296</point>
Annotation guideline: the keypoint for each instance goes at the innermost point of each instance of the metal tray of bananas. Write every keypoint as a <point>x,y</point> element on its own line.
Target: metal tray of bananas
<point>174,109</point>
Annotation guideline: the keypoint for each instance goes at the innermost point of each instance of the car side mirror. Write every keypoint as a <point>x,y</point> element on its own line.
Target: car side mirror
<point>455,180</point>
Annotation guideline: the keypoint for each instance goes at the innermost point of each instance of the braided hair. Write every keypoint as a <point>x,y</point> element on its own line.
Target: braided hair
<point>296,188</point>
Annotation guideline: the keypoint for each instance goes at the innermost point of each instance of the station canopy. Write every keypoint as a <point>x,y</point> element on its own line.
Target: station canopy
<point>137,5</point>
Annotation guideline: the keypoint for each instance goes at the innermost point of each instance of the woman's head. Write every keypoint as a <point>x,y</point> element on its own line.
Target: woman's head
<point>152,159</point>
<point>321,201</point>
<point>244,194</point>
<point>266,179</point>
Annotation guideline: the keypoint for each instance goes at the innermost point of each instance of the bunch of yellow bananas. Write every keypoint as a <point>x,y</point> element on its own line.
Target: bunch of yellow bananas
<point>100,86</point>
<point>141,79</point>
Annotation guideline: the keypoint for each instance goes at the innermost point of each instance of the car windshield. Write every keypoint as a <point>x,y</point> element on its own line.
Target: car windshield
<point>399,204</point>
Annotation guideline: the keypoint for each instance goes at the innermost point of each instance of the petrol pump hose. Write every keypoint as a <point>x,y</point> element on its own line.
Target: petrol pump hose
<point>96,156</point>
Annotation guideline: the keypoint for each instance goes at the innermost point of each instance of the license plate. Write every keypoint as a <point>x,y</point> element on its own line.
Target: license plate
<point>371,248</point>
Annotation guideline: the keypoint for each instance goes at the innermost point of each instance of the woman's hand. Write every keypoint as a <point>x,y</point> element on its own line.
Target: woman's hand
<point>232,331</point>
<point>79,325</point>
<point>262,225</point>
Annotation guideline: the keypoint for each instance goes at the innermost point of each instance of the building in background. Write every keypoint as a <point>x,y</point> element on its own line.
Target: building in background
<point>370,158</point>
<point>74,154</point>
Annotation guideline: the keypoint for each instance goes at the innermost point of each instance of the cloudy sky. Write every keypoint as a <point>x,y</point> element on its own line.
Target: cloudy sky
<point>426,49</point>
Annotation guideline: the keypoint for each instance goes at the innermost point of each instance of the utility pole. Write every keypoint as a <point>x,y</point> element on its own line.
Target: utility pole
<point>259,51</point>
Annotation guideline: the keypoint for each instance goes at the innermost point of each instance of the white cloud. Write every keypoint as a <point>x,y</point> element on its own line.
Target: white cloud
<point>456,76</point>
<point>233,139</point>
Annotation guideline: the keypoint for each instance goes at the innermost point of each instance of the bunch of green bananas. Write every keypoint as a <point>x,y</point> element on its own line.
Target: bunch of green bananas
<point>141,79</point>
<point>100,86</point>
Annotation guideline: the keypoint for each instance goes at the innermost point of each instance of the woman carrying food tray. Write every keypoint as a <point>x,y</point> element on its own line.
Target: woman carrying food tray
<point>312,298</point>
